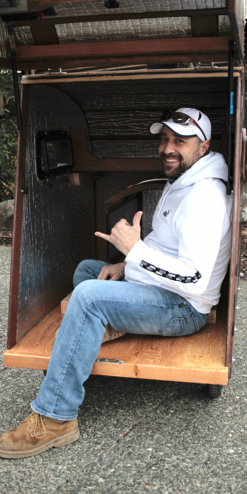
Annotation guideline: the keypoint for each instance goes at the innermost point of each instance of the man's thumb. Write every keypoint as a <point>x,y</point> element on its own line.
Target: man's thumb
<point>137,218</point>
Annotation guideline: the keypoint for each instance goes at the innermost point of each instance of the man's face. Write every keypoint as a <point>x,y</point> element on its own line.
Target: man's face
<point>178,154</point>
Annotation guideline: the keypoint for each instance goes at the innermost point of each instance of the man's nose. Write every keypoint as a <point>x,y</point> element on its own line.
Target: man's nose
<point>167,147</point>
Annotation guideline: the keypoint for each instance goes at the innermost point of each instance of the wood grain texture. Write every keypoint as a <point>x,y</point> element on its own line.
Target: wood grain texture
<point>205,13</point>
<point>198,358</point>
<point>102,50</point>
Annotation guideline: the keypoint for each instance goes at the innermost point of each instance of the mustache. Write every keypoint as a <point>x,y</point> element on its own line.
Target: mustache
<point>170,155</point>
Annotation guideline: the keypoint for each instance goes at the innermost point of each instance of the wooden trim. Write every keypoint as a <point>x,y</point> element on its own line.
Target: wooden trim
<point>50,79</point>
<point>198,358</point>
<point>233,278</point>
<point>85,161</point>
<point>113,62</point>
<point>44,35</point>
<point>17,226</point>
<point>204,26</point>
<point>113,53</point>
<point>118,17</point>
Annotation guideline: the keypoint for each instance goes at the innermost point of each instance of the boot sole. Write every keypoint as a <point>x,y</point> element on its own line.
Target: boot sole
<point>68,438</point>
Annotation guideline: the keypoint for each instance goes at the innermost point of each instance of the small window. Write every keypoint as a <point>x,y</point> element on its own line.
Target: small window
<point>54,153</point>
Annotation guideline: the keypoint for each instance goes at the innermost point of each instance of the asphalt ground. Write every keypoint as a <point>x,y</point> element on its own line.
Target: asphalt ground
<point>137,436</point>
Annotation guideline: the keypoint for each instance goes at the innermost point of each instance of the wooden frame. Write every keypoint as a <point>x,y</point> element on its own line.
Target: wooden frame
<point>207,47</point>
<point>205,357</point>
<point>17,225</point>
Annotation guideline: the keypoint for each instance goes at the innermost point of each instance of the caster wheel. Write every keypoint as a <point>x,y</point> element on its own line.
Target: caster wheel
<point>44,372</point>
<point>214,390</point>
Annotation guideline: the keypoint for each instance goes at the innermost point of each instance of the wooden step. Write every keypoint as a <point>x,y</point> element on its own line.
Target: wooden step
<point>199,358</point>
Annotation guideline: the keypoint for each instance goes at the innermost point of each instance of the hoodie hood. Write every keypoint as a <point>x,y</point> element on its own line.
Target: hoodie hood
<point>212,165</point>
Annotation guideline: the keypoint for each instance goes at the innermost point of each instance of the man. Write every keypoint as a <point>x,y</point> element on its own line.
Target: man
<point>172,279</point>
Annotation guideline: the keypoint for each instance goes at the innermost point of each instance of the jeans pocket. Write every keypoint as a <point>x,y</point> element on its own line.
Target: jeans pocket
<point>184,322</point>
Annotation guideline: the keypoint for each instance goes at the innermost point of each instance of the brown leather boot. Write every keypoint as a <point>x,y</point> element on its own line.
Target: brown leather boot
<point>37,434</point>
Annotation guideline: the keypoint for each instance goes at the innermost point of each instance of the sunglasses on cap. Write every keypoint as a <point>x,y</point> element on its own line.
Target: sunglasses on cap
<point>180,118</point>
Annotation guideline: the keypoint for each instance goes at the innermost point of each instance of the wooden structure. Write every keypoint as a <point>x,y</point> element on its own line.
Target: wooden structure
<point>104,75</point>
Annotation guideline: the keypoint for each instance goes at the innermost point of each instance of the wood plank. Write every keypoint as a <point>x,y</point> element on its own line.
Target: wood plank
<point>44,35</point>
<point>84,160</point>
<point>213,316</point>
<point>70,63</point>
<point>204,26</point>
<point>17,224</point>
<point>196,358</point>
<point>188,74</point>
<point>100,52</point>
<point>118,17</point>
<point>64,303</point>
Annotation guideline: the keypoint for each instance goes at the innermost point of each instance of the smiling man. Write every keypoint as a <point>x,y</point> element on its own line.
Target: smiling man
<point>177,151</point>
<point>166,286</point>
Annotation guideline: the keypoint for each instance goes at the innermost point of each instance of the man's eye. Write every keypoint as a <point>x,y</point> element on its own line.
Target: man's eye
<point>179,140</point>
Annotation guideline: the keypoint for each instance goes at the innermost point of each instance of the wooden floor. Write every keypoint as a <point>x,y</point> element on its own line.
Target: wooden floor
<point>199,358</point>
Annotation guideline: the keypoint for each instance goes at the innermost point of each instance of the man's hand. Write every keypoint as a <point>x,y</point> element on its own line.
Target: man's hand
<point>113,272</point>
<point>123,235</point>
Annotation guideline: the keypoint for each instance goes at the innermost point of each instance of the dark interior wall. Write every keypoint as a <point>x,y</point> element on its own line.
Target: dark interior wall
<point>58,219</point>
<point>119,113</point>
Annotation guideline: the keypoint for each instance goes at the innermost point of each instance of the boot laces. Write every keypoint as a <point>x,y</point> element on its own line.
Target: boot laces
<point>35,425</point>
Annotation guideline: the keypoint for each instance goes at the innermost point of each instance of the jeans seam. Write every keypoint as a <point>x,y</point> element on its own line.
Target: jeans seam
<point>183,318</point>
<point>66,365</point>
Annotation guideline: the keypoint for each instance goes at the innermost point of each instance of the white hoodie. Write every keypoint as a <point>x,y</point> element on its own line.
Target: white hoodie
<point>188,250</point>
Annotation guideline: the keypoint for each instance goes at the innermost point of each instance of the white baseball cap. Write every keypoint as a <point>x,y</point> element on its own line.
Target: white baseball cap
<point>196,123</point>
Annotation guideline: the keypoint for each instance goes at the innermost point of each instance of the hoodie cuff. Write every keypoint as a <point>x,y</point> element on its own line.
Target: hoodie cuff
<point>137,253</point>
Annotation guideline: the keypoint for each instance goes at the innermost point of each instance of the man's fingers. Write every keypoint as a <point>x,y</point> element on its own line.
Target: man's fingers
<point>115,277</point>
<point>103,235</point>
<point>137,218</point>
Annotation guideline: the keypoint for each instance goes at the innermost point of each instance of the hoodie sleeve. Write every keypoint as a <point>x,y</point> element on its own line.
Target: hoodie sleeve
<point>198,225</point>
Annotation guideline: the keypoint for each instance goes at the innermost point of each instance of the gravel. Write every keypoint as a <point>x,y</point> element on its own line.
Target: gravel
<point>137,436</point>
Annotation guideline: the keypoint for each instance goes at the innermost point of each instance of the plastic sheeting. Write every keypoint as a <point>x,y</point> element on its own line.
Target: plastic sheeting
<point>23,36</point>
<point>135,6</point>
<point>58,219</point>
<point>168,27</point>
<point>125,29</point>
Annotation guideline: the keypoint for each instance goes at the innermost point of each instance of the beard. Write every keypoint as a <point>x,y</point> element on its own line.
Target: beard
<point>174,173</point>
<point>168,171</point>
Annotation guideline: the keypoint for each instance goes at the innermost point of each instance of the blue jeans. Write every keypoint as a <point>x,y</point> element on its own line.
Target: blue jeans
<point>130,307</point>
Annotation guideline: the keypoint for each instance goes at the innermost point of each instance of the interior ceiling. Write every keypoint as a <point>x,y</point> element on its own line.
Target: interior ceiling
<point>38,32</point>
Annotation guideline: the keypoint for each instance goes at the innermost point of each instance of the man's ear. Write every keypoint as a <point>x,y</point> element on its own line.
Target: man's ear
<point>204,145</point>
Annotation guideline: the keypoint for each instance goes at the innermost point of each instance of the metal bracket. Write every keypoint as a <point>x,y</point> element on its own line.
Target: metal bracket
<point>109,360</point>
